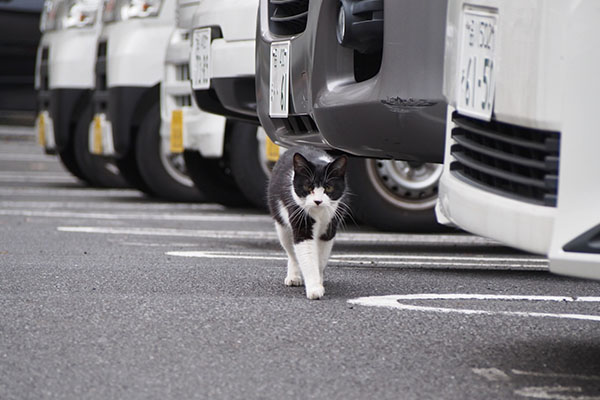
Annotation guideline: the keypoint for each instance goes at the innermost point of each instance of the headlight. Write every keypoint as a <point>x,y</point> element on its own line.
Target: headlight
<point>120,10</point>
<point>50,14</point>
<point>81,13</point>
<point>63,14</point>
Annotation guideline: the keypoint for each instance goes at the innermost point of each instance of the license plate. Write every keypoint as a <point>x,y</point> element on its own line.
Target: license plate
<point>279,79</point>
<point>200,59</point>
<point>477,69</point>
<point>272,150</point>
<point>177,131</point>
<point>97,147</point>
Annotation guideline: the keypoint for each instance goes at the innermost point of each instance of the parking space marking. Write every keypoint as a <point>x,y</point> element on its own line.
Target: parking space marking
<point>138,216</point>
<point>36,177</point>
<point>103,205</point>
<point>374,260</point>
<point>27,157</point>
<point>374,238</point>
<point>70,192</point>
<point>544,391</point>
<point>397,302</point>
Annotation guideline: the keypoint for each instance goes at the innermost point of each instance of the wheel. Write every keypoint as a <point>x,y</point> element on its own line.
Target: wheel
<point>249,165</point>
<point>394,195</point>
<point>98,171</point>
<point>164,172</point>
<point>213,175</point>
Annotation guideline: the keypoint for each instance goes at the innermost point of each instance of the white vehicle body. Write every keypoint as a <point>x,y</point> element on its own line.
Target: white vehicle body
<point>135,58</point>
<point>231,56</point>
<point>183,125</point>
<point>67,56</point>
<point>526,177</point>
<point>236,20</point>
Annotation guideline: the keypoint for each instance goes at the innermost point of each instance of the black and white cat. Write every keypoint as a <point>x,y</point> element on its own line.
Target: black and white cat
<point>306,197</point>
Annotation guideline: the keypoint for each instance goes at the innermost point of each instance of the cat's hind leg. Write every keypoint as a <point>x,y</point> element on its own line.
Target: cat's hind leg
<point>293,277</point>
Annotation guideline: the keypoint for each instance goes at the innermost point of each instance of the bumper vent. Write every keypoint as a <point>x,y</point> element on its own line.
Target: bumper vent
<point>287,17</point>
<point>509,160</point>
<point>300,124</point>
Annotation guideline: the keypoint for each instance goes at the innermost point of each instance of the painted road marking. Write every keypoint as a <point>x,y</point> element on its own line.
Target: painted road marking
<point>138,216</point>
<point>374,260</point>
<point>36,177</point>
<point>492,374</point>
<point>374,238</point>
<point>396,302</point>
<point>103,205</point>
<point>71,192</point>
<point>557,391</point>
<point>26,157</point>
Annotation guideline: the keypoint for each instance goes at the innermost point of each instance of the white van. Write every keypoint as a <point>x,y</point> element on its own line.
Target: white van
<point>126,123</point>
<point>521,161</point>
<point>186,130</point>
<point>64,81</point>
<point>222,72</point>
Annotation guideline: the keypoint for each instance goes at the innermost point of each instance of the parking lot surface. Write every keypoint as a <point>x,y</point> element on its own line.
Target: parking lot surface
<point>107,293</point>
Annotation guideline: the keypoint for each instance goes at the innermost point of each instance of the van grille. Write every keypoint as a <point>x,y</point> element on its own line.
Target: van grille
<point>509,160</point>
<point>287,17</point>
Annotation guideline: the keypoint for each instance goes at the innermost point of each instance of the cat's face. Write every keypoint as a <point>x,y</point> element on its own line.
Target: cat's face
<point>319,186</point>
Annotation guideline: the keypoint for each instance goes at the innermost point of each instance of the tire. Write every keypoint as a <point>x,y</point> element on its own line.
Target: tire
<point>98,171</point>
<point>67,159</point>
<point>129,171</point>
<point>164,173</point>
<point>386,196</point>
<point>249,165</point>
<point>213,175</point>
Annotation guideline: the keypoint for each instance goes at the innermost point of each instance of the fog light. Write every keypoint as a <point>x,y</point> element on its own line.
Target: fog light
<point>360,25</point>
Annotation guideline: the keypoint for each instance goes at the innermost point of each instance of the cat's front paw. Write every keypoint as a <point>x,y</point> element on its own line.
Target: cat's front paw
<point>315,292</point>
<point>293,281</point>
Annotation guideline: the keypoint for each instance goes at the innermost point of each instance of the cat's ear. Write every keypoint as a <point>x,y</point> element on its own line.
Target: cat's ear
<point>301,164</point>
<point>337,168</point>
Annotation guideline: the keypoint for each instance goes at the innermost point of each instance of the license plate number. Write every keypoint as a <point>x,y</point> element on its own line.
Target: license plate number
<point>279,79</point>
<point>476,69</point>
<point>200,59</point>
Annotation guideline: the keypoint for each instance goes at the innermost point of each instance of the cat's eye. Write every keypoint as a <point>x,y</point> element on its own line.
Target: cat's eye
<point>328,188</point>
<point>307,187</point>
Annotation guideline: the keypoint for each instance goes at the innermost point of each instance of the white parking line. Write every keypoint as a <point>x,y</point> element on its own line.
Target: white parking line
<point>36,177</point>
<point>103,205</point>
<point>138,216</point>
<point>374,260</point>
<point>27,157</point>
<point>374,238</point>
<point>398,302</point>
<point>70,192</point>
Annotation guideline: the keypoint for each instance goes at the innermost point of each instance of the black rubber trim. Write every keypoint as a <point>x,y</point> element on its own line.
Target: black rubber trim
<point>237,95</point>
<point>588,242</point>
<point>126,106</point>
<point>65,108</point>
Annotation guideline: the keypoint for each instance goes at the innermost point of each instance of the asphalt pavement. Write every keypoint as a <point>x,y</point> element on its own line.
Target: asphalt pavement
<point>109,294</point>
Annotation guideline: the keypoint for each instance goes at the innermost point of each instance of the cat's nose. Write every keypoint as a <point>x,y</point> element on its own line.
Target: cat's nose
<point>317,202</point>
